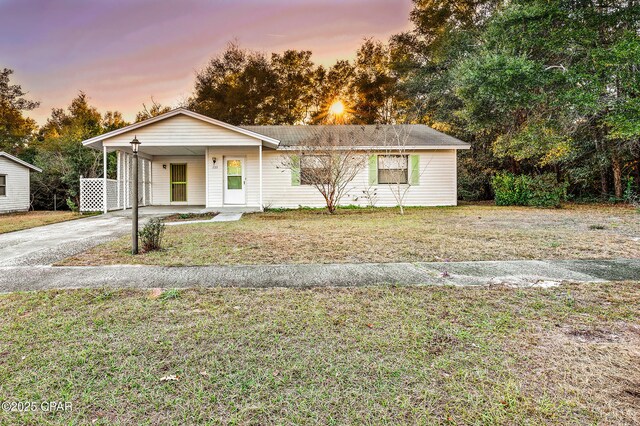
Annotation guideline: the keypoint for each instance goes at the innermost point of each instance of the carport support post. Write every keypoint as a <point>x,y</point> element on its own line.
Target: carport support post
<point>105,206</point>
<point>134,213</point>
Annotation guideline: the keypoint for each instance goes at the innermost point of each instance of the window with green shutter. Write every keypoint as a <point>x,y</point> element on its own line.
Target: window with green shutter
<point>373,170</point>
<point>295,170</point>
<point>414,161</point>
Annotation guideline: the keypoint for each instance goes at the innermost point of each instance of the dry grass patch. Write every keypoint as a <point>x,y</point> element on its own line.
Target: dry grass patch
<point>469,232</point>
<point>18,221</point>
<point>416,355</point>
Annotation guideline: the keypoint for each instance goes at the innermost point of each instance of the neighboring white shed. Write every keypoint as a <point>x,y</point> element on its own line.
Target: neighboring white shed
<point>14,183</point>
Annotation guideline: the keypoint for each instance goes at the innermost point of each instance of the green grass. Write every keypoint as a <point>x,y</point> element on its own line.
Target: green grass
<point>383,355</point>
<point>469,232</point>
<point>18,221</point>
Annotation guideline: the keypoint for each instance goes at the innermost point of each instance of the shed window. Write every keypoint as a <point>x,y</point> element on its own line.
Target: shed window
<point>314,169</point>
<point>3,185</point>
<point>393,169</point>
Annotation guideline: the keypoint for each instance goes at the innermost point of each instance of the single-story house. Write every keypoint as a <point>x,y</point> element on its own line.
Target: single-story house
<point>15,186</point>
<point>189,159</point>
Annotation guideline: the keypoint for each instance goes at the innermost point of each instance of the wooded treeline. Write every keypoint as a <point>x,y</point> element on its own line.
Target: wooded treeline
<point>536,86</point>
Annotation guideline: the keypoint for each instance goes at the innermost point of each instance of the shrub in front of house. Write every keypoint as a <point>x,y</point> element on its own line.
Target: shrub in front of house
<point>523,190</point>
<point>151,235</point>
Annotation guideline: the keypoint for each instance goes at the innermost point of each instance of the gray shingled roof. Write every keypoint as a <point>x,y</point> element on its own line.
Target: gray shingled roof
<point>369,135</point>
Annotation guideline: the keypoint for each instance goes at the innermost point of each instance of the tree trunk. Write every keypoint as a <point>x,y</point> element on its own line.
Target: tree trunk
<point>604,183</point>
<point>617,176</point>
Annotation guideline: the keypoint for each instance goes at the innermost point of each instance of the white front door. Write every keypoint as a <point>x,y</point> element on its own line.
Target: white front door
<point>234,181</point>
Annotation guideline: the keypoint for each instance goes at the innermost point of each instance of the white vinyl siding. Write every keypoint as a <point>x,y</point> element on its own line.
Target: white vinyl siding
<point>437,184</point>
<point>17,186</point>
<point>161,179</point>
<point>251,157</point>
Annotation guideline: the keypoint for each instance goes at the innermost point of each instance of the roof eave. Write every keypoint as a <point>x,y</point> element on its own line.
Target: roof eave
<point>273,143</point>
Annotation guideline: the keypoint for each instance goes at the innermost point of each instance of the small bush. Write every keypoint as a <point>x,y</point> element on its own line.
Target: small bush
<point>524,190</point>
<point>72,206</point>
<point>546,191</point>
<point>151,235</point>
<point>511,190</point>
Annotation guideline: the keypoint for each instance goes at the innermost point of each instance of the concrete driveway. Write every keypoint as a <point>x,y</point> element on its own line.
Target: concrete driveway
<point>48,244</point>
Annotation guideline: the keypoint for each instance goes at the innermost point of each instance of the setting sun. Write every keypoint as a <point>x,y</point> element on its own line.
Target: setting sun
<point>337,108</point>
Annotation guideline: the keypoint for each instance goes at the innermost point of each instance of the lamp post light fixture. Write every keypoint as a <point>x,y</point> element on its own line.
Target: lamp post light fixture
<point>135,145</point>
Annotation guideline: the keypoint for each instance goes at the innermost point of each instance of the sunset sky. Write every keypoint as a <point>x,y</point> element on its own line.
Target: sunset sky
<point>123,52</point>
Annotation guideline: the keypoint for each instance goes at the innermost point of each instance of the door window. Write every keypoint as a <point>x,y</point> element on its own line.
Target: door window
<point>234,174</point>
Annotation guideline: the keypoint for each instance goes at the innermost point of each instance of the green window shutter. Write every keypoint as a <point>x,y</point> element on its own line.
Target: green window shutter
<point>295,170</point>
<point>414,160</point>
<point>373,170</point>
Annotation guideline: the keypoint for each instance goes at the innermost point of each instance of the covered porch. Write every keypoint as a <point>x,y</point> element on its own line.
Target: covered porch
<point>184,159</point>
<point>220,178</point>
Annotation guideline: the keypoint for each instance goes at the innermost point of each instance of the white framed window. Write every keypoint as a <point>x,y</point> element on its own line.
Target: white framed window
<point>3,185</point>
<point>314,169</point>
<point>393,169</point>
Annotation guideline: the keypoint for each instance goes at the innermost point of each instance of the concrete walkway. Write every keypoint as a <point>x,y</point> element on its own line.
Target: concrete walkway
<point>516,273</point>
<point>220,217</point>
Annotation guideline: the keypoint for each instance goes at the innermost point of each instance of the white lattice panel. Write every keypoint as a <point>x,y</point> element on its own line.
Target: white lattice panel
<point>119,191</point>
<point>112,194</point>
<point>91,195</point>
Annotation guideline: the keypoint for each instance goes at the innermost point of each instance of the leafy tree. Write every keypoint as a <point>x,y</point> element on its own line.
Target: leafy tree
<point>378,99</point>
<point>295,74</point>
<point>534,85</point>
<point>236,87</point>
<point>332,85</point>
<point>15,129</point>
<point>61,155</point>
<point>112,120</point>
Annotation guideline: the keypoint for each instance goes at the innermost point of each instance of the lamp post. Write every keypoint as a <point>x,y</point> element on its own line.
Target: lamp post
<point>135,144</point>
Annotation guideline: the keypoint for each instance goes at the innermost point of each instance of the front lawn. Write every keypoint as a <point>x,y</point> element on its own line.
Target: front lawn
<point>18,221</point>
<point>468,232</point>
<point>426,355</point>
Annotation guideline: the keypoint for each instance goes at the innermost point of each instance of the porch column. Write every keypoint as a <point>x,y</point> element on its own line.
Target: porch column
<point>144,183</point>
<point>150,182</point>
<point>125,181</point>
<point>260,170</point>
<point>104,179</point>
<point>206,177</point>
<point>118,177</point>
